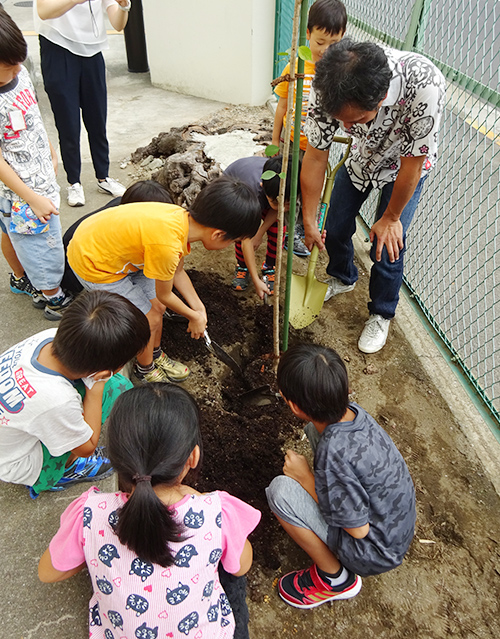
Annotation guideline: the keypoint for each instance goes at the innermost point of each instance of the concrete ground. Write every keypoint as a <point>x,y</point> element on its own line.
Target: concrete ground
<point>137,112</point>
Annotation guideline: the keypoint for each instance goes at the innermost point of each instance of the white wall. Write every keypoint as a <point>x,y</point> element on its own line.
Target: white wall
<point>215,49</point>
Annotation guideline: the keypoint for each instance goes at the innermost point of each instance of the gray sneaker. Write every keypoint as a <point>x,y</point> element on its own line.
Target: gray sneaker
<point>335,287</point>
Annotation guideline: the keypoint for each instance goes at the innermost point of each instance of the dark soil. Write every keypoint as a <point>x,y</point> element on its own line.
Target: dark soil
<point>242,443</point>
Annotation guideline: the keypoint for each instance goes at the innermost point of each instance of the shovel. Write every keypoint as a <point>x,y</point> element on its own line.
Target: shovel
<point>221,354</point>
<point>307,294</point>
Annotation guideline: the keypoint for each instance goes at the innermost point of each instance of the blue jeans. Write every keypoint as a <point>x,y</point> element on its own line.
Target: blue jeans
<point>386,277</point>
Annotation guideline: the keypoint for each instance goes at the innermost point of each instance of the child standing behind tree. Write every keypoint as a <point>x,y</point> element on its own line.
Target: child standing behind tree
<point>326,24</point>
<point>153,550</point>
<point>355,514</point>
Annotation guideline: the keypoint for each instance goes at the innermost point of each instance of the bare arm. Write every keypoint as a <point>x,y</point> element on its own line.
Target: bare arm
<point>53,154</point>
<point>49,575</point>
<point>92,414</point>
<point>249,255</point>
<point>297,468</point>
<point>41,206</point>
<point>389,230</point>
<point>117,17</point>
<point>246,559</point>
<point>278,120</point>
<point>312,176</point>
<point>195,312</point>
<point>360,532</point>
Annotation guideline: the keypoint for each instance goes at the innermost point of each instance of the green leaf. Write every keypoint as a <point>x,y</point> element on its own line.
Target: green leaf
<point>268,175</point>
<point>305,53</point>
<point>287,52</point>
<point>271,150</point>
<point>282,175</point>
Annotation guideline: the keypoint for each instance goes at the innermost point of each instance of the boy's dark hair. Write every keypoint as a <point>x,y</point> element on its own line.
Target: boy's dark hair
<point>315,379</point>
<point>272,186</point>
<point>327,15</point>
<point>352,73</point>
<point>146,191</point>
<point>230,205</point>
<point>152,431</point>
<point>13,48</point>
<point>100,331</point>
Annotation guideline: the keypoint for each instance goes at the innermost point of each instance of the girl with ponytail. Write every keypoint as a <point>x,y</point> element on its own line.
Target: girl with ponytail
<point>152,548</point>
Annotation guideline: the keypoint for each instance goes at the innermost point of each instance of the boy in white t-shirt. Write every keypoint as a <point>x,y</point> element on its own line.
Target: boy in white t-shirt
<point>48,436</point>
<point>29,194</point>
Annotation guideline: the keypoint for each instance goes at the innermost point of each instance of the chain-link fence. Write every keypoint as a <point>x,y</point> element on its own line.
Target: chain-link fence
<point>452,264</point>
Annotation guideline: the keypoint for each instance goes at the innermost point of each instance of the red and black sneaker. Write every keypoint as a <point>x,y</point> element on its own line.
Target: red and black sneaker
<point>306,589</point>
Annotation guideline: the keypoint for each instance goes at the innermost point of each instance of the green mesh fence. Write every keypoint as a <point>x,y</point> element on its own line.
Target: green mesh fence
<point>452,263</point>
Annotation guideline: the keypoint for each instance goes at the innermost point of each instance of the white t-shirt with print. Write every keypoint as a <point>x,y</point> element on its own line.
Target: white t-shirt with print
<point>36,405</point>
<point>406,125</point>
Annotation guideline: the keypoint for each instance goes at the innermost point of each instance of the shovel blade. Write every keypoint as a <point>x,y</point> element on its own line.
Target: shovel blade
<point>306,300</point>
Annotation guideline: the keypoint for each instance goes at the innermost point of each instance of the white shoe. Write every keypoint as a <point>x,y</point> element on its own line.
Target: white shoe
<point>111,187</point>
<point>76,196</point>
<point>374,335</point>
<point>335,287</point>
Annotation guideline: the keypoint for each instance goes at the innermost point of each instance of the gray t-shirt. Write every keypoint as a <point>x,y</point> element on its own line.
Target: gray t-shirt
<point>360,478</point>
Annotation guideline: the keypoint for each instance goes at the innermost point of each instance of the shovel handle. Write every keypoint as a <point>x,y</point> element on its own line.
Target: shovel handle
<point>330,178</point>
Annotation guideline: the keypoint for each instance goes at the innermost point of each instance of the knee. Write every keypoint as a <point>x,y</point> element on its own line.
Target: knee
<point>278,492</point>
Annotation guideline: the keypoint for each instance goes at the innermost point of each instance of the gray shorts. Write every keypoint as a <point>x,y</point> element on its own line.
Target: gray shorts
<point>135,287</point>
<point>290,502</point>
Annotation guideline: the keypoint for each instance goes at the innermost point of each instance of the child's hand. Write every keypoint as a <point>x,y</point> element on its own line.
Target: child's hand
<point>296,467</point>
<point>42,207</point>
<point>198,325</point>
<point>261,289</point>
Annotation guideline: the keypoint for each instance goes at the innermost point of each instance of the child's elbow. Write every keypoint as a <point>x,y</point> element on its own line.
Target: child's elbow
<point>359,532</point>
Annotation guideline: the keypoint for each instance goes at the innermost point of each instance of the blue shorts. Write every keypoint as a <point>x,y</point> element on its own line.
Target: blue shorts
<point>135,287</point>
<point>42,255</point>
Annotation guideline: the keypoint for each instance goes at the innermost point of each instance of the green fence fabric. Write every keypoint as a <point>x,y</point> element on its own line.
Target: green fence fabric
<point>453,261</point>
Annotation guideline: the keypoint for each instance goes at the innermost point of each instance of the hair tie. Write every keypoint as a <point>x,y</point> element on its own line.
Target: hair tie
<point>138,478</point>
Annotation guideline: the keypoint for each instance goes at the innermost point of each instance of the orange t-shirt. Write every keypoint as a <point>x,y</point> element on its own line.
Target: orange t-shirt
<point>143,236</point>
<point>281,91</point>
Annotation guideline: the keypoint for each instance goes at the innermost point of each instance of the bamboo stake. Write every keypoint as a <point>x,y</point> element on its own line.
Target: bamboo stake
<point>281,195</point>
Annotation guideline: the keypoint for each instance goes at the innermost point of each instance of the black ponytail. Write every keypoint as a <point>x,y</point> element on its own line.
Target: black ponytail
<point>152,431</point>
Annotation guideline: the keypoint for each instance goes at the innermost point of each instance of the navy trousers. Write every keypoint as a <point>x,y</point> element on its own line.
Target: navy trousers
<point>386,277</point>
<point>75,83</point>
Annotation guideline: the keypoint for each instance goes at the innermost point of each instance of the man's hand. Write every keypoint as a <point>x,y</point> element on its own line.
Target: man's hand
<point>42,207</point>
<point>313,237</point>
<point>389,234</point>
<point>296,467</point>
<point>197,325</point>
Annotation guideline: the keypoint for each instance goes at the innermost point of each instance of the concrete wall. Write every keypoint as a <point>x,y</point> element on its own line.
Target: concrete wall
<point>216,49</point>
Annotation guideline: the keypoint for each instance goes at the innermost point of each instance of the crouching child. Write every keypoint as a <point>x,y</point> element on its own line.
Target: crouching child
<point>354,514</point>
<point>49,434</point>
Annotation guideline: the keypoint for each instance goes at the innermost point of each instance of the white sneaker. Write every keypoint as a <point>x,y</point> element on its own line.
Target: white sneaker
<point>111,187</point>
<point>76,197</point>
<point>374,335</point>
<point>335,287</point>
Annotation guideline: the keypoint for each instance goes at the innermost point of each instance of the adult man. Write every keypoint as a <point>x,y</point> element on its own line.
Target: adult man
<point>391,103</point>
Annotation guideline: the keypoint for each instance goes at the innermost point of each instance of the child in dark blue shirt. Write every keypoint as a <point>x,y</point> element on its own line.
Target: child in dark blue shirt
<point>355,513</point>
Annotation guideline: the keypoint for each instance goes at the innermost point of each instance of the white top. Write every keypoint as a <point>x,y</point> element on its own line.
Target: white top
<point>27,150</point>
<point>406,125</point>
<point>36,405</point>
<point>80,30</point>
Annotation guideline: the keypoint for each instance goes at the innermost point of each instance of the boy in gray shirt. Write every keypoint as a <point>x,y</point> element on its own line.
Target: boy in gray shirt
<point>355,514</point>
